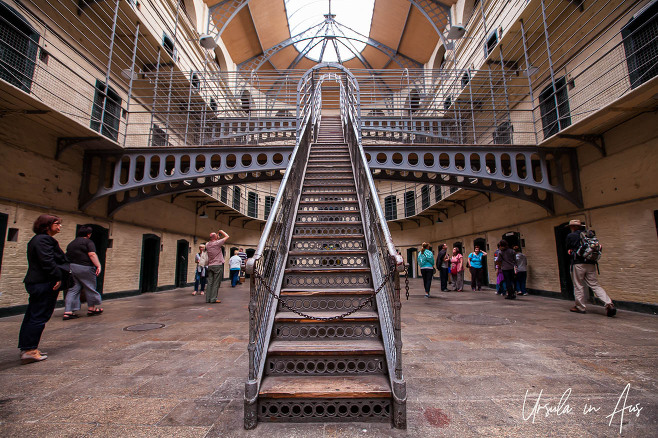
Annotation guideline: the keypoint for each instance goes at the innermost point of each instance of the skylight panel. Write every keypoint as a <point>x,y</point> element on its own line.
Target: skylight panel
<point>330,36</point>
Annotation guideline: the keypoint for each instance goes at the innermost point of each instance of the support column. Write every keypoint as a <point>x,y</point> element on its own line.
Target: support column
<point>130,85</point>
<point>550,65</point>
<point>532,94</point>
<point>109,66</point>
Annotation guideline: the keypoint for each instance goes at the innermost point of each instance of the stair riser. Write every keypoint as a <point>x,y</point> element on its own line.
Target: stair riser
<point>331,331</point>
<point>321,411</point>
<point>316,281</point>
<point>325,365</point>
<point>327,244</point>
<point>328,261</point>
<point>334,303</point>
<point>328,198</point>
<point>323,231</point>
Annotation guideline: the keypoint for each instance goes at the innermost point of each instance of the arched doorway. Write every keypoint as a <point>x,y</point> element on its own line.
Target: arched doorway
<point>412,253</point>
<point>148,274</point>
<point>563,260</point>
<point>182,251</point>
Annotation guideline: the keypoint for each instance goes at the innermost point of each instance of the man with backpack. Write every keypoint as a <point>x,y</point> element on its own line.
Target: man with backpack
<point>585,251</point>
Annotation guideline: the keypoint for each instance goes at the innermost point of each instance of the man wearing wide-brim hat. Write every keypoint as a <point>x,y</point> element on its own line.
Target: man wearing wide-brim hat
<point>584,272</point>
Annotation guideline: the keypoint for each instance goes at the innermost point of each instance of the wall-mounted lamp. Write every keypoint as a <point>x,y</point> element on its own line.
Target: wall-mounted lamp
<point>207,42</point>
<point>203,215</point>
<point>455,32</point>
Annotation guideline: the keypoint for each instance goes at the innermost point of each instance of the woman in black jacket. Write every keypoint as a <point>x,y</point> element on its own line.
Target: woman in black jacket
<point>47,274</point>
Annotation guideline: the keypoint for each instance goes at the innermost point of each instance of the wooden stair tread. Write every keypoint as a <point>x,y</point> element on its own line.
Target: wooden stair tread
<point>365,386</point>
<point>326,347</point>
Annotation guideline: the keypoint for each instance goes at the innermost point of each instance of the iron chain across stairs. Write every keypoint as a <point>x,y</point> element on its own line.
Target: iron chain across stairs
<point>336,317</point>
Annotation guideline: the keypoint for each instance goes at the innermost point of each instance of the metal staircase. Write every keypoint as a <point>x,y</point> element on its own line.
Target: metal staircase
<point>334,368</point>
<point>325,341</point>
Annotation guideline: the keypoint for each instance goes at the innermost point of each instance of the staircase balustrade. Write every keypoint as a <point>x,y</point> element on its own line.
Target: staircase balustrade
<point>267,266</point>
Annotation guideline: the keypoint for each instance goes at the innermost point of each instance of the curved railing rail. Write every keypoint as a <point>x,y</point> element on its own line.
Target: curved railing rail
<point>385,262</point>
<point>267,265</point>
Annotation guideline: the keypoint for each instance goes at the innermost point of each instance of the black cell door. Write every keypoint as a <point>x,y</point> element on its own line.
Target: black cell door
<point>513,239</point>
<point>563,260</point>
<point>182,251</point>
<point>101,238</point>
<point>412,253</point>
<point>148,277</point>
<point>482,243</point>
<point>250,253</point>
<point>3,234</point>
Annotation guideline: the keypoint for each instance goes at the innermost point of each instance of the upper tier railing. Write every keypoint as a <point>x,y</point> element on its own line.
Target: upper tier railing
<point>539,67</point>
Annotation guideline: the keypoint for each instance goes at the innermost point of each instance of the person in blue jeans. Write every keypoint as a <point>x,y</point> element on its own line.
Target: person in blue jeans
<point>426,264</point>
<point>521,268</point>
<point>234,264</point>
<point>476,267</point>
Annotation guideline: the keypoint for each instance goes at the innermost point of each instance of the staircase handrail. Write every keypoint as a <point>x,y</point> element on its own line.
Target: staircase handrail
<point>267,266</point>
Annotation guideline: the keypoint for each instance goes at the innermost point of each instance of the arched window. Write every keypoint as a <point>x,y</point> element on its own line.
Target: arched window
<point>252,204</point>
<point>390,208</point>
<point>413,101</point>
<point>409,203</point>
<point>245,101</point>
<point>237,192</point>
<point>19,43</point>
<point>425,197</point>
<point>554,107</point>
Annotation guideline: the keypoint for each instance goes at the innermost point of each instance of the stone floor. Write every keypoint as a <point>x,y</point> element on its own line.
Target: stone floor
<point>466,376</point>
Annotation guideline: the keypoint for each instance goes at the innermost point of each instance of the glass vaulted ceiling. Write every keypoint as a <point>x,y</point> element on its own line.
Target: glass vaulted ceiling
<point>325,36</point>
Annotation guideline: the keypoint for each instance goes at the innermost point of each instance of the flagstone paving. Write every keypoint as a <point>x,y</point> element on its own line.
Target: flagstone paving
<point>469,359</point>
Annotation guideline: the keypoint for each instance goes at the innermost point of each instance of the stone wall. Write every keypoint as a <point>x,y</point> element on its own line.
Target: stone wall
<point>620,196</point>
<point>34,183</point>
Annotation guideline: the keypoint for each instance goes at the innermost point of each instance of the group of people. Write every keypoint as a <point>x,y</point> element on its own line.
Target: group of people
<point>512,268</point>
<point>50,271</point>
<point>450,264</point>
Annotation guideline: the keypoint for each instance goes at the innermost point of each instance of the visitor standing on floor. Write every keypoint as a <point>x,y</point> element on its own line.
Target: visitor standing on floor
<point>521,269</point>
<point>505,260</point>
<point>426,264</point>
<point>443,263</point>
<point>580,245</point>
<point>477,269</point>
<point>48,271</point>
<point>457,269</point>
<point>234,266</point>
<point>215,265</point>
<point>243,258</point>
<point>85,268</point>
<point>500,280</point>
<point>201,260</point>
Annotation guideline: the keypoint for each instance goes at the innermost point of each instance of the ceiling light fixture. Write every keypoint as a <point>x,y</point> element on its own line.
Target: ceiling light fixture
<point>207,41</point>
